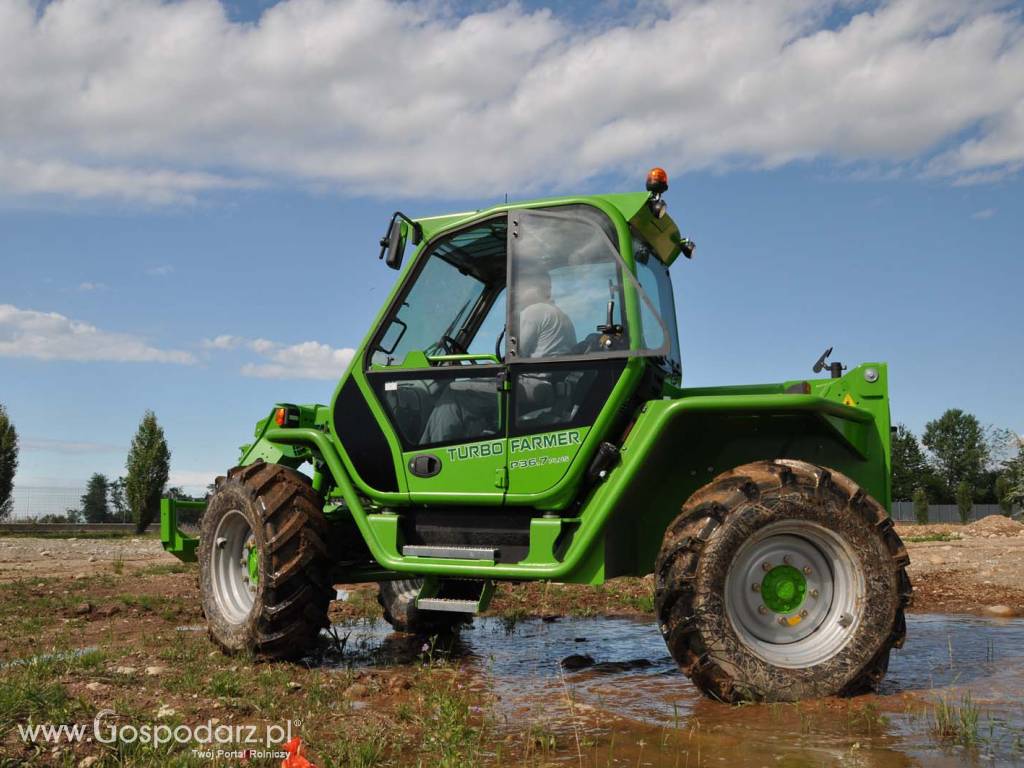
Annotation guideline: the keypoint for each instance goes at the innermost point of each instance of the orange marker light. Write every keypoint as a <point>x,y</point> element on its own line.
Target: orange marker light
<point>657,180</point>
<point>280,416</point>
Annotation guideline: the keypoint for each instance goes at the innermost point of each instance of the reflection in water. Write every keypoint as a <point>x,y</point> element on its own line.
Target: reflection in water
<point>620,686</point>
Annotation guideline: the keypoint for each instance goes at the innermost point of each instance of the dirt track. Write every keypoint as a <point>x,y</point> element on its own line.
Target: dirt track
<point>981,572</point>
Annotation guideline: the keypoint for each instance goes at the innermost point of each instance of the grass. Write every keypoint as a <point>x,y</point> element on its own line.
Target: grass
<point>225,684</point>
<point>642,603</point>
<point>166,568</point>
<point>346,752</point>
<point>620,596</point>
<point>450,735</point>
<point>932,537</point>
<point>33,692</point>
<point>956,722</point>
<point>142,602</point>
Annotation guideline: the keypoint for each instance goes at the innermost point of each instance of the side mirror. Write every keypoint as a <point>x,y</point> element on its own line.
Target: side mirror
<point>395,245</point>
<point>392,245</point>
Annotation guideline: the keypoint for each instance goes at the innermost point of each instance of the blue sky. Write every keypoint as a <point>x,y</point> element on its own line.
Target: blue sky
<point>191,247</point>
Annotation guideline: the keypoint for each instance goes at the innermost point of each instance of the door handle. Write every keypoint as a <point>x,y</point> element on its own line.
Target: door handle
<point>425,465</point>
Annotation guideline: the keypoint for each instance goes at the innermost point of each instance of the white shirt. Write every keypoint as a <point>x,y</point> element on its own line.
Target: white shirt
<point>544,331</point>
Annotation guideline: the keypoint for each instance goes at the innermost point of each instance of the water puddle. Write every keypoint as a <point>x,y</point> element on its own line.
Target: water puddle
<point>45,658</point>
<point>610,683</point>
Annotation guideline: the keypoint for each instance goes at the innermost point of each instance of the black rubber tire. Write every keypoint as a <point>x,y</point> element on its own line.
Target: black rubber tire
<point>697,552</point>
<point>398,599</point>
<point>294,590</point>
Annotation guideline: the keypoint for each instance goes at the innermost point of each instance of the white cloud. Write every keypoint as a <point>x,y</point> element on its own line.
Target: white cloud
<point>192,479</point>
<point>224,341</point>
<point>88,286</point>
<point>53,176</point>
<point>984,213</point>
<point>308,360</point>
<point>52,336</point>
<point>163,102</point>
<point>161,270</point>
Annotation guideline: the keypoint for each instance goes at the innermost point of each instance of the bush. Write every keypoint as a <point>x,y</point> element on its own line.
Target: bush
<point>964,500</point>
<point>920,506</point>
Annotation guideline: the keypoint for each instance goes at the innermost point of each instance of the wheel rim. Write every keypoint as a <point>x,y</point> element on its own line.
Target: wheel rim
<point>235,568</point>
<point>794,594</point>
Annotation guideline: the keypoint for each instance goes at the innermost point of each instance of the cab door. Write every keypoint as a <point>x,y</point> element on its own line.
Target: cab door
<point>434,369</point>
<point>574,322</point>
<point>450,421</point>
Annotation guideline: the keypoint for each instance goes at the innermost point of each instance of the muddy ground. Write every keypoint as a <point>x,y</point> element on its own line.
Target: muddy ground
<point>115,624</point>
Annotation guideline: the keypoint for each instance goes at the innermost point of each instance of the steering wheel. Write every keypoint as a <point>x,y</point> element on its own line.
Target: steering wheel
<point>452,347</point>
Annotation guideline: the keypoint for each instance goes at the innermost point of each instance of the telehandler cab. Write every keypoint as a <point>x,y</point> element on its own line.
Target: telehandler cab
<point>516,412</point>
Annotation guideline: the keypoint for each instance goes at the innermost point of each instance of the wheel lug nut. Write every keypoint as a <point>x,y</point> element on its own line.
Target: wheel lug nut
<point>803,614</point>
<point>807,570</point>
<point>782,620</point>
<point>814,594</point>
<point>785,559</point>
<point>756,587</point>
<point>763,610</point>
<point>766,566</point>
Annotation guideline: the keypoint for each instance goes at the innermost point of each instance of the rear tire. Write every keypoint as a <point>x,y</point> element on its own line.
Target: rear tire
<point>781,581</point>
<point>398,599</point>
<point>263,564</point>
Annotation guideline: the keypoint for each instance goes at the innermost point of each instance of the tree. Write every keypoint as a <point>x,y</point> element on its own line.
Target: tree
<point>8,463</point>
<point>920,506</point>
<point>908,464</point>
<point>71,515</point>
<point>959,448</point>
<point>118,502</point>
<point>1014,469</point>
<point>94,500</point>
<point>148,465</point>
<point>964,500</point>
<point>1004,486</point>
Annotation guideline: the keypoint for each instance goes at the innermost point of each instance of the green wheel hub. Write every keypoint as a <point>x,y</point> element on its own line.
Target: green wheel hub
<point>783,589</point>
<point>253,564</point>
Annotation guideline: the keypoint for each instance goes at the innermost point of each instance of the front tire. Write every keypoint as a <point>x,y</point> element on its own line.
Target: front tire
<point>780,581</point>
<point>263,564</point>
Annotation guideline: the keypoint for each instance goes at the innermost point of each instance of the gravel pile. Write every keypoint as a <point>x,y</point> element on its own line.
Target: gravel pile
<point>994,525</point>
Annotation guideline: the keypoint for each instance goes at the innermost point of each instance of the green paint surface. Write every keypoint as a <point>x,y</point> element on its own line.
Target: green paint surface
<point>783,589</point>
<point>254,566</point>
<point>670,441</point>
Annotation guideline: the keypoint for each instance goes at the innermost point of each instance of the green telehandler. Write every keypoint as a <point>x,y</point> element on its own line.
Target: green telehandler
<point>516,412</point>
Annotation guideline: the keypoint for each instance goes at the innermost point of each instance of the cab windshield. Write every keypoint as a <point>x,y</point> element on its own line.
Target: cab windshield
<point>565,297</point>
<point>455,293</point>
